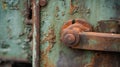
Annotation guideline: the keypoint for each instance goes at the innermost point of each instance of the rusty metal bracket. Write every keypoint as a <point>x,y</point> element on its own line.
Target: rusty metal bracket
<point>36,32</point>
<point>36,8</point>
<point>78,34</point>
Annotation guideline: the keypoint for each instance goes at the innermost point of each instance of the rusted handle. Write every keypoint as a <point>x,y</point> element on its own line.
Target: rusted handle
<point>79,36</point>
<point>99,41</point>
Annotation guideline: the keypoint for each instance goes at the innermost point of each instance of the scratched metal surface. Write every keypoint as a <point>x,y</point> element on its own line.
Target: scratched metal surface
<point>13,31</point>
<point>54,15</point>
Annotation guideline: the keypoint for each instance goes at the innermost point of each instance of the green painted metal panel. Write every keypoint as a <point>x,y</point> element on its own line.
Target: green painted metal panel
<point>14,44</point>
<point>56,13</point>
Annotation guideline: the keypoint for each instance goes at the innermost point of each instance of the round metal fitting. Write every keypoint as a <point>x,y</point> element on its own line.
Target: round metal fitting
<point>71,29</point>
<point>43,3</point>
<point>70,38</point>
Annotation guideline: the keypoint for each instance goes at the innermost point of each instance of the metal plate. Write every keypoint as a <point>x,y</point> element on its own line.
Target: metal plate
<point>13,31</point>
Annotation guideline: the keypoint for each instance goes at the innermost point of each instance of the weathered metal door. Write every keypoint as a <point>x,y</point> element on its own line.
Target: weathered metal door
<point>14,32</point>
<point>64,33</point>
<point>97,48</point>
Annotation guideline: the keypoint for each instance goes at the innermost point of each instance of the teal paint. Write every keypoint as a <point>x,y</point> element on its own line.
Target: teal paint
<point>13,31</point>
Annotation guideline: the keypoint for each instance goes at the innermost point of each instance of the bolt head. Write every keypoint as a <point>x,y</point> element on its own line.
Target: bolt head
<point>69,39</point>
<point>43,2</point>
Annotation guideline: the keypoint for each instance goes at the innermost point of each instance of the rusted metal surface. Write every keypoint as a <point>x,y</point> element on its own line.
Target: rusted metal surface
<point>36,33</point>
<point>98,59</point>
<point>104,59</point>
<point>50,37</point>
<point>109,26</point>
<point>56,13</point>
<point>75,33</point>
<point>70,31</point>
<point>99,41</point>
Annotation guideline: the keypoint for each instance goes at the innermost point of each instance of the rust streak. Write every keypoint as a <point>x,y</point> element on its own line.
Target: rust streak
<point>50,38</point>
<point>47,62</point>
<point>72,8</point>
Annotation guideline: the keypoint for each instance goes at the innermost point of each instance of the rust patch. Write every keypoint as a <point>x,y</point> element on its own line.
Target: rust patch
<point>47,62</point>
<point>105,60</point>
<point>72,7</point>
<point>77,6</point>
<point>108,26</point>
<point>99,41</point>
<point>50,37</point>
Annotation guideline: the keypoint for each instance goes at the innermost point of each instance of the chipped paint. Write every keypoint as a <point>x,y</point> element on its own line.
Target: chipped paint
<point>13,44</point>
<point>60,55</point>
<point>50,37</point>
<point>44,56</point>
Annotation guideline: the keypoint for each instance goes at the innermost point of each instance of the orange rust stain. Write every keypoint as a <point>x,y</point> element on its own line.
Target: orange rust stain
<point>84,24</point>
<point>98,60</point>
<point>50,37</point>
<point>68,23</point>
<point>78,25</point>
<point>72,7</point>
<point>46,61</point>
<point>91,64</point>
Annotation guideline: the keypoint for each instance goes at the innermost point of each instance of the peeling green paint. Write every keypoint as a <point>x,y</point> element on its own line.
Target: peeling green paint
<point>13,31</point>
<point>56,13</point>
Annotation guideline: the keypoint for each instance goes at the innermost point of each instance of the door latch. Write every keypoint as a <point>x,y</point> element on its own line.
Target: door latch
<point>79,34</point>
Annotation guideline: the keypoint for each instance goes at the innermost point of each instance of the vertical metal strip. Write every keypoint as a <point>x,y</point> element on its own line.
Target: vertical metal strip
<point>36,33</point>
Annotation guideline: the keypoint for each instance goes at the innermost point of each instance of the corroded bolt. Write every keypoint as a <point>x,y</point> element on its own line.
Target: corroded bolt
<point>69,39</point>
<point>70,31</point>
<point>43,2</point>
